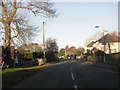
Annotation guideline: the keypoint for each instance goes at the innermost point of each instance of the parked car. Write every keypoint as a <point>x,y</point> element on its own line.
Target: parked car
<point>71,57</point>
<point>0,60</point>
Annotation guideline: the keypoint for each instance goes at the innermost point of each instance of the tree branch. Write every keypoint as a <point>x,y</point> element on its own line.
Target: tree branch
<point>14,11</point>
<point>17,29</point>
<point>5,10</point>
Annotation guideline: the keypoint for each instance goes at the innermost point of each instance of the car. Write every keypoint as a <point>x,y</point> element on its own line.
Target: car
<point>0,60</point>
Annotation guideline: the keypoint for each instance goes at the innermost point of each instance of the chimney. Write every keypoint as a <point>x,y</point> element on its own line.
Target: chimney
<point>105,32</point>
<point>92,40</point>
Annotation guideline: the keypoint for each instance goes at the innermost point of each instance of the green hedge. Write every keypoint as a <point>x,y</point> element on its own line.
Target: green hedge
<point>28,55</point>
<point>51,57</point>
<point>66,56</point>
<point>33,55</point>
<point>113,58</point>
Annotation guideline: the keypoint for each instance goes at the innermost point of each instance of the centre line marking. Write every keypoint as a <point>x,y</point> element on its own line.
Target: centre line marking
<point>72,76</point>
<point>75,86</point>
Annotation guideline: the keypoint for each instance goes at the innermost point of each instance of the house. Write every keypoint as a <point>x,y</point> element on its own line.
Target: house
<point>108,43</point>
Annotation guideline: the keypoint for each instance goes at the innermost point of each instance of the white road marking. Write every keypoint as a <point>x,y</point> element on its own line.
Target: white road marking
<point>75,86</point>
<point>72,76</point>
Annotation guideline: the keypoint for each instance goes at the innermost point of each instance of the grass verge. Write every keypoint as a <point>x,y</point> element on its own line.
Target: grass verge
<point>12,76</point>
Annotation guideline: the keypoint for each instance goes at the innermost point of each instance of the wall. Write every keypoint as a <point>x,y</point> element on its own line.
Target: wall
<point>115,47</point>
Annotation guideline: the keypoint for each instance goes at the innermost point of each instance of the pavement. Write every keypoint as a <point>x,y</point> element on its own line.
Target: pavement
<point>73,74</point>
<point>105,65</point>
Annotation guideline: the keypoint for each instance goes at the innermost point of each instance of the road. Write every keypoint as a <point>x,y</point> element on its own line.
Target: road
<point>72,74</point>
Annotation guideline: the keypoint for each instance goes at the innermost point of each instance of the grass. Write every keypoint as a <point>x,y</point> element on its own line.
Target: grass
<point>12,76</point>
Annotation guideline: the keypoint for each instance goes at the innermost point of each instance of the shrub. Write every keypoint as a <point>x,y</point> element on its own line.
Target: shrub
<point>50,57</point>
<point>100,56</point>
<point>66,56</point>
<point>37,55</point>
<point>28,55</point>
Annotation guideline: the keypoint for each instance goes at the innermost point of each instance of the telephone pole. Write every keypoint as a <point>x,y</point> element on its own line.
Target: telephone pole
<point>44,43</point>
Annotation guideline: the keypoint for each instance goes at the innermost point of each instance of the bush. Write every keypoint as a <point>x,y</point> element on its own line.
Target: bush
<point>28,55</point>
<point>66,56</point>
<point>51,57</point>
<point>100,55</point>
<point>37,55</point>
<point>113,59</point>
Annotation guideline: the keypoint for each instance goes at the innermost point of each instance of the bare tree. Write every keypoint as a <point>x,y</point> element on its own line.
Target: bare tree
<point>95,37</point>
<point>71,50</point>
<point>79,50</point>
<point>114,33</point>
<point>66,49</point>
<point>34,47</point>
<point>22,49</point>
<point>15,21</point>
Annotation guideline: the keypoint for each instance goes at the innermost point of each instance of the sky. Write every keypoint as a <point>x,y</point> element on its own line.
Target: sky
<point>76,22</point>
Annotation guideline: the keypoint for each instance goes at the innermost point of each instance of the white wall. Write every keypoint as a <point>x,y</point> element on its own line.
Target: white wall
<point>115,47</point>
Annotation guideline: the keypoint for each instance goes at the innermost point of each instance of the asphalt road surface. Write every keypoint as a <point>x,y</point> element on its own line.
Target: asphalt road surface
<point>72,74</point>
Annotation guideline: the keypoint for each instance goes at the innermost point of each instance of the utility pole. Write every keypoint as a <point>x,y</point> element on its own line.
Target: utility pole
<point>104,43</point>
<point>44,43</point>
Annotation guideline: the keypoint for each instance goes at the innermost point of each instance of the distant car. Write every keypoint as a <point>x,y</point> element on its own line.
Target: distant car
<point>71,57</point>
<point>77,57</point>
<point>61,57</point>
<point>68,57</point>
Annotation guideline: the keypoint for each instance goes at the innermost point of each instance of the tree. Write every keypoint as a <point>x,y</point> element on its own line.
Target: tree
<point>17,23</point>
<point>79,51</point>
<point>114,33</point>
<point>22,49</point>
<point>95,37</point>
<point>62,52</point>
<point>51,49</point>
<point>17,27</point>
<point>71,51</point>
<point>51,45</point>
<point>66,50</point>
<point>34,47</point>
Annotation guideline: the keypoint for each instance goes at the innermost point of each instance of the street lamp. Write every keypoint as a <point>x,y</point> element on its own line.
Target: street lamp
<point>96,26</point>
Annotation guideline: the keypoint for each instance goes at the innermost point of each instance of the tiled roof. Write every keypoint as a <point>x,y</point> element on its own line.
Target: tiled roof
<point>90,44</point>
<point>109,38</point>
